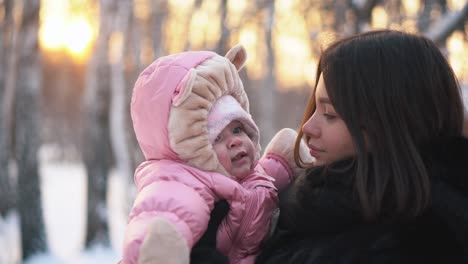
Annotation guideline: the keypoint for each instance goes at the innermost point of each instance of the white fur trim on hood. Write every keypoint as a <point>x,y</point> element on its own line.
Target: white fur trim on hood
<point>225,110</point>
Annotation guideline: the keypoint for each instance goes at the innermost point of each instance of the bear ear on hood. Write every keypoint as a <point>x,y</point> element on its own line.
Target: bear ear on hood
<point>184,88</point>
<point>237,55</point>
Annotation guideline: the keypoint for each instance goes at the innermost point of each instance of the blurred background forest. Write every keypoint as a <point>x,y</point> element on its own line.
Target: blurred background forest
<point>67,69</point>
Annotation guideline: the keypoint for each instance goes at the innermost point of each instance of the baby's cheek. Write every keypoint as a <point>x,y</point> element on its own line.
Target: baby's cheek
<point>224,159</point>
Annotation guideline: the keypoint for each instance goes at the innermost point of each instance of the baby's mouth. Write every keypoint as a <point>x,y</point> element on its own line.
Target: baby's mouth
<point>239,156</point>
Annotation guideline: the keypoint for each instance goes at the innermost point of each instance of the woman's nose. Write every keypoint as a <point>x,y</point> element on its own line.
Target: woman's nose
<point>311,128</point>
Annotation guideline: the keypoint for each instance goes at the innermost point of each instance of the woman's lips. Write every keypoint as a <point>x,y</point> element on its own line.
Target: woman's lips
<point>312,147</point>
<point>314,151</point>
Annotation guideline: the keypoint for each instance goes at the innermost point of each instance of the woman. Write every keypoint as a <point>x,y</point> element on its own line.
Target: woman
<point>390,179</point>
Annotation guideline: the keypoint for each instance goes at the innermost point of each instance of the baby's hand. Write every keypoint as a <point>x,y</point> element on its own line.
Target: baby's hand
<point>163,244</point>
<point>282,145</point>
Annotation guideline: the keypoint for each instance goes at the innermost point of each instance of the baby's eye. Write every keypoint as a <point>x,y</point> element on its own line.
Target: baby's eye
<point>218,138</point>
<point>238,130</point>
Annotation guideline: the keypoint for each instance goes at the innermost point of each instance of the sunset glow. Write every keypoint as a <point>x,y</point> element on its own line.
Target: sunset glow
<point>296,65</point>
<point>379,17</point>
<point>458,50</point>
<point>50,34</point>
<point>298,34</point>
<point>78,35</point>
<point>249,38</point>
<point>411,7</point>
<point>455,4</point>
<point>61,30</point>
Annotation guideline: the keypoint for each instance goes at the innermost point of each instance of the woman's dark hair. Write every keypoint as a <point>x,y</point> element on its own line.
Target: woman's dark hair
<point>394,91</point>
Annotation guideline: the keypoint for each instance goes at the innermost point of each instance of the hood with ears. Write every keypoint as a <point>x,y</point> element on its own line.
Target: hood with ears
<point>171,101</point>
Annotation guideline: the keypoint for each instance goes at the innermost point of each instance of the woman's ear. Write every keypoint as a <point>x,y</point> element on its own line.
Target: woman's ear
<point>237,55</point>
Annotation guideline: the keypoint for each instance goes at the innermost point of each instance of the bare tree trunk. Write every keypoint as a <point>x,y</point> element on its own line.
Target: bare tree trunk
<point>7,44</point>
<point>424,19</point>
<point>341,8</point>
<point>27,132</point>
<point>223,39</point>
<point>97,146</point>
<point>119,112</point>
<point>159,18</point>
<point>134,66</point>
<point>196,5</point>
<point>267,120</point>
<point>363,13</point>
<point>393,8</point>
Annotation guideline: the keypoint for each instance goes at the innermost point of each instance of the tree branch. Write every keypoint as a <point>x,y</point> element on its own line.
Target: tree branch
<point>446,25</point>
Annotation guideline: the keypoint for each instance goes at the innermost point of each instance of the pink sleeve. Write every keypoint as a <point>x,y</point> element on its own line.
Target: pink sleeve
<point>178,203</point>
<point>247,224</point>
<point>277,168</point>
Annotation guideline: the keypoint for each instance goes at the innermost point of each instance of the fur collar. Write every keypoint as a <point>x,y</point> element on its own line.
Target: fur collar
<point>320,219</point>
<point>321,200</point>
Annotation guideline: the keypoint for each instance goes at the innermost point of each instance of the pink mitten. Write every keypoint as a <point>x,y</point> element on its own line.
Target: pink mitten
<point>282,144</point>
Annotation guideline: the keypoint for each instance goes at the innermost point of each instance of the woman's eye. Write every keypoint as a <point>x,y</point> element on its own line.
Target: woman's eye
<point>329,116</point>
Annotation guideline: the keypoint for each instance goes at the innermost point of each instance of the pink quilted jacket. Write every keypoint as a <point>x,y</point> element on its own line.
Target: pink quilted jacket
<point>181,179</point>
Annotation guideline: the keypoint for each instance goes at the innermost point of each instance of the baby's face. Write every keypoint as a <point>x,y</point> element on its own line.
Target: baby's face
<point>235,150</point>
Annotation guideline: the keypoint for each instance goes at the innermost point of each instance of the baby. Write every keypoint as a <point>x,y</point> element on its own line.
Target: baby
<point>191,118</point>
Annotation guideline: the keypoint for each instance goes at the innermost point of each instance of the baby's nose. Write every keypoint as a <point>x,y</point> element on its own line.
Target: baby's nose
<point>235,141</point>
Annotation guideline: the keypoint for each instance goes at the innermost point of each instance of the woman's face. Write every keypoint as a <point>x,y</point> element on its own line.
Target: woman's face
<point>330,139</point>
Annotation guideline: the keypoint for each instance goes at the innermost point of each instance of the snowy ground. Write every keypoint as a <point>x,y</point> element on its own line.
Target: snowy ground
<point>64,200</point>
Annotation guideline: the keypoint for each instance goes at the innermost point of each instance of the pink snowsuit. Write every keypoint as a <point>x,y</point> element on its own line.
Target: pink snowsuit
<point>181,178</point>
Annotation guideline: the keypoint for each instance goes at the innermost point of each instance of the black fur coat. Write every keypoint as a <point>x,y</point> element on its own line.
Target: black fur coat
<point>320,220</point>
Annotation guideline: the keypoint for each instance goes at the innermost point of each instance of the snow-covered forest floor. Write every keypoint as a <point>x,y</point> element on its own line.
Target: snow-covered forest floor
<point>64,205</point>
